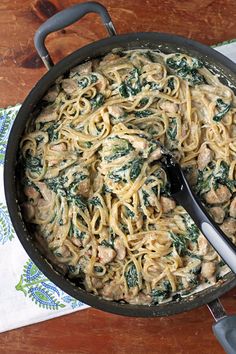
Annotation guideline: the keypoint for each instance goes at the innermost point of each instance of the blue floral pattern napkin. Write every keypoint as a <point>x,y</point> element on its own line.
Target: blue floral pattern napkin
<point>26,295</point>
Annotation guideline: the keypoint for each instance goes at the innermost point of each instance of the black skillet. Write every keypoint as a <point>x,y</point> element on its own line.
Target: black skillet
<point>168,43</point>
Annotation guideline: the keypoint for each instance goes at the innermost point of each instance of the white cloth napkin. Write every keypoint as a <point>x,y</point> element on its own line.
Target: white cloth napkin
<point>26,295</point>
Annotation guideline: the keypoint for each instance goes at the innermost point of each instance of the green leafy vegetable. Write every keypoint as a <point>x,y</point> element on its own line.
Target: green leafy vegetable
<point>161,293</point>
<point>222,108</point>
<point>172,129</point>
<point>82,83</point>
<point>171,83</point>
<point>192,229</point>
<point>52,133</point>
<point>131,276</point>
<point>142,114</point>
<point>129,213</point>
<point>136,168</point>
<point>95,201</point>
<point>179,242</point>
<point>145,198</point>
<point>119,148</point>
<point>222,177</point>
<point>132,85</point>
<point>185,71</point>
<point>33,164</point>
<point>97,101</point>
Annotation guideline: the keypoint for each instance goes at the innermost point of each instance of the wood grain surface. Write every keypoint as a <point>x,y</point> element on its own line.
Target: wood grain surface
<point>92,331</point>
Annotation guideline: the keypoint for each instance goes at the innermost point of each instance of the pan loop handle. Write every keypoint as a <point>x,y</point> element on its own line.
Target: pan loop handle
<point>65,18</point>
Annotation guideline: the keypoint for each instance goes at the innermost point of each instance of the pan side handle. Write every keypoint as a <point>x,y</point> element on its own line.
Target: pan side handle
<point>225,327</point>
<point>65,18</point>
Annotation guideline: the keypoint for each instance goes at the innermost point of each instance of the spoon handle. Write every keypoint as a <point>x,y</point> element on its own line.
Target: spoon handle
<point>221,243</point>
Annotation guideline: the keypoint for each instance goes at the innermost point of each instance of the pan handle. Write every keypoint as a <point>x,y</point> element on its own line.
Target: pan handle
<point>225,327</point>
<point>65,18</point>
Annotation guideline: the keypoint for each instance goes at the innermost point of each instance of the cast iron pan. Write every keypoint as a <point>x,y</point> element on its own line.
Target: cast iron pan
<point>168,43</point>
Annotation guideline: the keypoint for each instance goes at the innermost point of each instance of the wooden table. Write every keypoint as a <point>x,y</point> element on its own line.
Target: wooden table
<point>92,331</point>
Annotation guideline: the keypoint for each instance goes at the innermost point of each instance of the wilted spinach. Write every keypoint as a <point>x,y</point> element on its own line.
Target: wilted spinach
<point>222,108</point>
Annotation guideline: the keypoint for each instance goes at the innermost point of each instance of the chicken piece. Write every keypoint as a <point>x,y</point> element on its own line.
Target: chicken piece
<point>106,254</point>
<point>28,211</point>
<point>112,291</point>
<point>229,227</point>
<point>218,214</point>
<point>115,110</point>
<point>49,114</point>
<point>52,94</point>
<point>203,245</point>
<point>168,106</point>
<point>31,192</point>
<point>120,249</point>
<point>208,270</point>
<point>96,283</point>
<point>69,86</point>
<point>45,192</point>
<point>205,156</point>
<point>221,195</point>
<point>59,147</point>
<point>232,208</point>
<point>167,204</point>
<point>83,69</point>
<point>155,155</point>
<point>137,142</point>
<point>84,187</point>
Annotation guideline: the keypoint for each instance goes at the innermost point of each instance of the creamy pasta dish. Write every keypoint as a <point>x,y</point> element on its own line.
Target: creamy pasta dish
<point>95,191</point>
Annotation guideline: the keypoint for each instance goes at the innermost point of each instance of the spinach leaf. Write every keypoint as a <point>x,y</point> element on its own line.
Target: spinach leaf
<point>161,293</point>
<point>33,164</point>
<point>129,213</point>
<point>97,101</point>
<point>192,229</point>
<point>93,79</point>
<point>222,108</point>
<point>52,133</point>
<point>145,198</point>
<point>98,269</point>
<point>143,102</point>
<point>185,71</point>
<point>142,114</point>
<point>120,148</point>
<point>136,168</point>
<point>79,201</point>
<point>172,129</point>
<point>109,242</point>
<point>222,177</point>
<point>179,242</point>
<point>171,83</point>
<point>203,184</point>
<point>95,201</point>
<point>131,276</point>
<point>56,184</point>
<point>82,83</point>
<point>132,85</point>
<point>75,232</point>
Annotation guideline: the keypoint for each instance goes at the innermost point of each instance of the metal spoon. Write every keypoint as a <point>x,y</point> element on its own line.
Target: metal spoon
<point>183,194</point>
